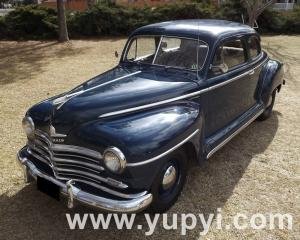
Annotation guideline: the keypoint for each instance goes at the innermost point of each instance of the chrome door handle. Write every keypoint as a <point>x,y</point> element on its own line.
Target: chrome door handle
<point>251,72</point>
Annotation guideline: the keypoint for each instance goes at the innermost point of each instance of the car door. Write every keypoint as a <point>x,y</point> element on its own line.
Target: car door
<point>228,81</point>
<point>255,59</point>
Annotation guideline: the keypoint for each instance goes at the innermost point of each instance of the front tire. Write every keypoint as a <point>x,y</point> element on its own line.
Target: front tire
<point>169,182</point>
<point>268,111</point>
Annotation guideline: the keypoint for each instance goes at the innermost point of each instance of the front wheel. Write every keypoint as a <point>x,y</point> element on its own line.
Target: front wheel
<point>268,111</point>
<point>169,182</point>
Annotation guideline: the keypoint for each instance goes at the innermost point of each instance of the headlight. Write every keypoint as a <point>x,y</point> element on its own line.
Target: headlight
<point>114,159</point>
<point>28,126</point>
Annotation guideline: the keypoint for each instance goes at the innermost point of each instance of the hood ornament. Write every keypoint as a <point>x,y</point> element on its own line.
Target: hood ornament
<point>53,133</point>
<point>62,100</point>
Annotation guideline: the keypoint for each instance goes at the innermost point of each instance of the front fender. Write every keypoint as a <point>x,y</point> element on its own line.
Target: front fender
<point>145,134</point>
<point>142,136</point>
<point>270,78</point>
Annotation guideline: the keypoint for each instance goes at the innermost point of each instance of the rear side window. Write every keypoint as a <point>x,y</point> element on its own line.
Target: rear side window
<point>254,48</point>
<point>228,55</point>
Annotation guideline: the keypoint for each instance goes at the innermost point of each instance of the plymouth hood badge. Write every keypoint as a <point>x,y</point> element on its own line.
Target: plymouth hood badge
<point>54,134</point>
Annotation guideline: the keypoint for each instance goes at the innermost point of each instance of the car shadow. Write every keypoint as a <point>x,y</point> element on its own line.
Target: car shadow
<point>30,214</point>
<point>20,61</point>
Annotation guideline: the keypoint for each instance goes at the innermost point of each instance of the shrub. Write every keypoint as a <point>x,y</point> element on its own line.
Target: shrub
<point>101,19</point>
<point>2,28</point>
<point>185,11</point>
<point>109,19</point>
<point>106,18</point>
<point>285,22</point>
<point>231,10</point>
<point>293,21</point>
<point>31,22</point>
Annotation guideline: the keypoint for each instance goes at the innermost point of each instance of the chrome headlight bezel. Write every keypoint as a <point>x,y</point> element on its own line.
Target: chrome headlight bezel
<point>28,126</point>
<point>119,161</point>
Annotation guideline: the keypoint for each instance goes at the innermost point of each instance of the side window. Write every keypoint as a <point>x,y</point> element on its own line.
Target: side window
<point>228,55</point>
<point>254,48</point>
<point>181,53</point>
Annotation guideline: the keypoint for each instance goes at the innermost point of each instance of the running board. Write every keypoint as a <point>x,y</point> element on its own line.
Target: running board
<point>218,147</point>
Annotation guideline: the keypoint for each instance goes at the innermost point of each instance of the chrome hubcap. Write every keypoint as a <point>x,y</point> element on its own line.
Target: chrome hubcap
<point>169,178</point>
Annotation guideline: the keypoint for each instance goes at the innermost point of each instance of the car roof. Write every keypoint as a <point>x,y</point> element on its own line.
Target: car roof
<point>208,30</point>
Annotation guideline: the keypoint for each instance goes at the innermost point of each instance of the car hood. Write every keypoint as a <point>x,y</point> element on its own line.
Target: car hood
<point>115,90</point>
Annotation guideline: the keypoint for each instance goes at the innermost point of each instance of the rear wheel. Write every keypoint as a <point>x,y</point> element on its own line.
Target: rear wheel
<point>169,182</point>
<point>268,111</point>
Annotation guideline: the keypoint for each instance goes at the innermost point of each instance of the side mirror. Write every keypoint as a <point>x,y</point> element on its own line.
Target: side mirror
<point>116,54</point>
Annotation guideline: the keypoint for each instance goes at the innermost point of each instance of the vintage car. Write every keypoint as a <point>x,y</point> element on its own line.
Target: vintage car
<point>122,140</point>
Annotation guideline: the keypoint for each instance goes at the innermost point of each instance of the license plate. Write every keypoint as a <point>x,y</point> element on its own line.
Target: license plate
<point>48,187</point>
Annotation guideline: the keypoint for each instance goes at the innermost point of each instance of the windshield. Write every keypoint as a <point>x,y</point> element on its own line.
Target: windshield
<point>167,51</point>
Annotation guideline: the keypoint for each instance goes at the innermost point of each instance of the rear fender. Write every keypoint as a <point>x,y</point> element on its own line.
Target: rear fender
<point>271,77</point>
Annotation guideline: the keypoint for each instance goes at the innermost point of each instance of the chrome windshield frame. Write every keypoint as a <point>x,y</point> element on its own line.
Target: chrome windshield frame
<point>123,59</point>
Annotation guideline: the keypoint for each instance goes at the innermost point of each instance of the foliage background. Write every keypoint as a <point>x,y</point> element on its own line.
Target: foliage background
<point>108,19</point>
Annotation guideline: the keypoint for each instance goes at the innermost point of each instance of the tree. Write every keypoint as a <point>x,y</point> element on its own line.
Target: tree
<point>62,24</point>
<point>255,8</point>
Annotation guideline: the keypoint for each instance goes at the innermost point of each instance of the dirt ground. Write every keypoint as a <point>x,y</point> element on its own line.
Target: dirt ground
<point>257,172</point>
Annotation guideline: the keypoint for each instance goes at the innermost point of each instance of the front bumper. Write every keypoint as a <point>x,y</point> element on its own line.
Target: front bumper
<point>75,194</point>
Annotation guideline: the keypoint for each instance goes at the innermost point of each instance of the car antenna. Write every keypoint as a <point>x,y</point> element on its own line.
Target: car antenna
<point>198,49</point>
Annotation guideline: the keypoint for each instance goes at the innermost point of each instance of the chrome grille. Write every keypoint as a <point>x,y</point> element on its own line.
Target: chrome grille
<point>70,162</point>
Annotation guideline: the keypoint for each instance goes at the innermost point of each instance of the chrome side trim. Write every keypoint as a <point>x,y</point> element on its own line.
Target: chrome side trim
<point>69,97</point>
<point>131,202</point>
<point>233,134</point>
<point>128,110</point>
<point>164,153</point>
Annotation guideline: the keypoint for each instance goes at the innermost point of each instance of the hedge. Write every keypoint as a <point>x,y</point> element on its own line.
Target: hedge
<point>280,22</point>
<point>29,22</point>
<point>103,19</point>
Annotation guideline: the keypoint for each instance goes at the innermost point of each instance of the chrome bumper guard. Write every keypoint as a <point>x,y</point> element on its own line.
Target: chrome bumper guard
<point>73,193</point>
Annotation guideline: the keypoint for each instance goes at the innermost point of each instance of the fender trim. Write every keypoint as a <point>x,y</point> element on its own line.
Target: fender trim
<point>164,153</point>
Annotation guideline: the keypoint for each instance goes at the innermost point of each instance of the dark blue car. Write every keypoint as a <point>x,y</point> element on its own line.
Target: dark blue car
<point>122,140</point>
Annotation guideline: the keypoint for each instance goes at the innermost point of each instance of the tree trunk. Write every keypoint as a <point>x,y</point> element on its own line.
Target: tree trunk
<point>255,8</point>
<point>252,19</point>
<point>62,24</point>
